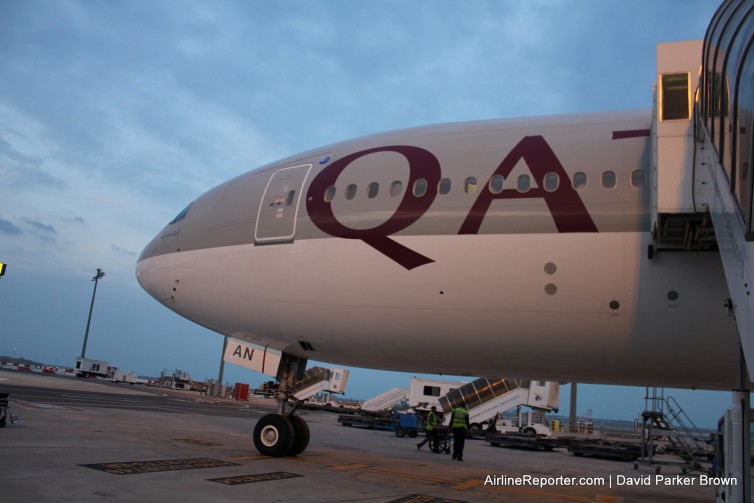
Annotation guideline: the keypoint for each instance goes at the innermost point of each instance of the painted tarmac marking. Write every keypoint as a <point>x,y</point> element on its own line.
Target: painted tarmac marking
<point>42,405</point>
<point>469,483</point>
<point>345,467</point>
<point>161,465</point>
<point>421,498</point>
<point>202,443</point>
<point>257,477</point>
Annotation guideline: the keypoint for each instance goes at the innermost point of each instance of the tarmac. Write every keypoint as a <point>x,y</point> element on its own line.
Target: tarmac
<point>135,445</point>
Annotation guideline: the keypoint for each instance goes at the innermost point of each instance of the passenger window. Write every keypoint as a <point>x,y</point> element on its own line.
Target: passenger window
<point>608,179</point>
<point>291,197</point>
<point>420,187</point>
<point>496,184</point>
<point>351,191</point>
<point>330,193</point>
<point>469,185</point>
<point>373,189</point>
<point>579,180</point>
<point>524,183</point>
<point>396,188</point>
<point>552,182</point>
<point>444,186</point>
<point>637,178</point>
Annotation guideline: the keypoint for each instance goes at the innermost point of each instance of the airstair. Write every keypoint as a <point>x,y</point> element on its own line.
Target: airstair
<point>488,397</point>
<point>386,400</point>
<point>665,422</point>
<point>320,379</point>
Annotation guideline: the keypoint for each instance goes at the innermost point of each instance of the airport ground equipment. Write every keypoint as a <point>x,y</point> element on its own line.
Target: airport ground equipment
<point>408,424</point>
<point>423,393</point>
<point>619,451</point>
<point>487,398</point>
<point>125,376</point>
<point>531,423</point>
<point>5,413</point>
<point>521,440</point>
<point>176,379</point>
<point>87,367</point>
<point>386,400</point>
<point>319,380</point>
<point>372,422</point>
<point>666,426</point>
<point>724,468</point>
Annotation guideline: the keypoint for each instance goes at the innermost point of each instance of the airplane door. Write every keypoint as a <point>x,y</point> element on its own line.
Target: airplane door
<point>276,220</point>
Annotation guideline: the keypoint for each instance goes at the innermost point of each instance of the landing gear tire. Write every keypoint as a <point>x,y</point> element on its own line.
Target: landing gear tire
<point>300,435</point>
<point>274,435</point>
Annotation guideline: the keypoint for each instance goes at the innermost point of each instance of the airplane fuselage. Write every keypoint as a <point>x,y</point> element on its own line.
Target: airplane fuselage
<point>512,247</point>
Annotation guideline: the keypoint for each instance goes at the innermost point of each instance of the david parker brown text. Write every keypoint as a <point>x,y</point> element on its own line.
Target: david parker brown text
<point>612,480</point>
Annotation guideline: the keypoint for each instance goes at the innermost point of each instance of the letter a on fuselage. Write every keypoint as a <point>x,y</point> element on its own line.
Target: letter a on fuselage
<point>564,203</point>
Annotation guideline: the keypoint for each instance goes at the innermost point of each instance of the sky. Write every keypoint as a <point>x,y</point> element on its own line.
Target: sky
<point>116,114</point>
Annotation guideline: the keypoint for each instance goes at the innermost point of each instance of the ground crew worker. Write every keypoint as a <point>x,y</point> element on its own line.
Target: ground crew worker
<point>433,428</point>
<point>459,421</point>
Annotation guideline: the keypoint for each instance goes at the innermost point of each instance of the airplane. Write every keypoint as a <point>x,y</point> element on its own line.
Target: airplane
<point>517,247</point>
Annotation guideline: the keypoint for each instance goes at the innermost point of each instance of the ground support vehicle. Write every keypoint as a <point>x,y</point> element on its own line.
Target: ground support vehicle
<point>408,424</point>
<point>606,450</point>
<point>523,440</point>
<point>370,422</point>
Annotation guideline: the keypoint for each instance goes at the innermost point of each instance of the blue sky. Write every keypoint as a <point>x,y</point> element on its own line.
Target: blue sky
<point>115,114</point>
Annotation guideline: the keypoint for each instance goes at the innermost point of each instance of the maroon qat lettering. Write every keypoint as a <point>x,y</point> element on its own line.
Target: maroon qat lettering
<point>564,203</point>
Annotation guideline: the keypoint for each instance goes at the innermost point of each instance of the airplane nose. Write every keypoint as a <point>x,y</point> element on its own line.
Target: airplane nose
<point>149,276</point>
<point>156,267</point>
<point>168,278</point>
<point>156,270</point>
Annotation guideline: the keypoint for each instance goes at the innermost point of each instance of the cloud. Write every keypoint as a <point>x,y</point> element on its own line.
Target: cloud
<point>118,249</point>
<point>40,226</point>
<point>17,168</point>
<point>9,228</point>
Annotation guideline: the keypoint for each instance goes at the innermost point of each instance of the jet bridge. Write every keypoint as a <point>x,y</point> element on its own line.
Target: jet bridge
<point>703,187</point>
<point>702,140</point>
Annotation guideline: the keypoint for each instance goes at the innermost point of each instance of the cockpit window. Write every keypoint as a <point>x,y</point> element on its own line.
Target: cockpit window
<point>181,215</point>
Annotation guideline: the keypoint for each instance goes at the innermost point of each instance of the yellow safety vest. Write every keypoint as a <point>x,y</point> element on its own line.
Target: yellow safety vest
<point>432,421</point>
<point>459,418</point>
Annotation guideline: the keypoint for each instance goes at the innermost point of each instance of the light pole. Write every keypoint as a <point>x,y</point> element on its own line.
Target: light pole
<point>100,274</point>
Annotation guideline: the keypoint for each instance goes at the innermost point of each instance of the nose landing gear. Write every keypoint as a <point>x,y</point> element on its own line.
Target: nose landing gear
<point>273,435</point>
<point>283,434</point>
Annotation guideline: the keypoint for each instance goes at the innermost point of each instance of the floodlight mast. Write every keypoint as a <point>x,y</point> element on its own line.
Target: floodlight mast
<point>100,274</point>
